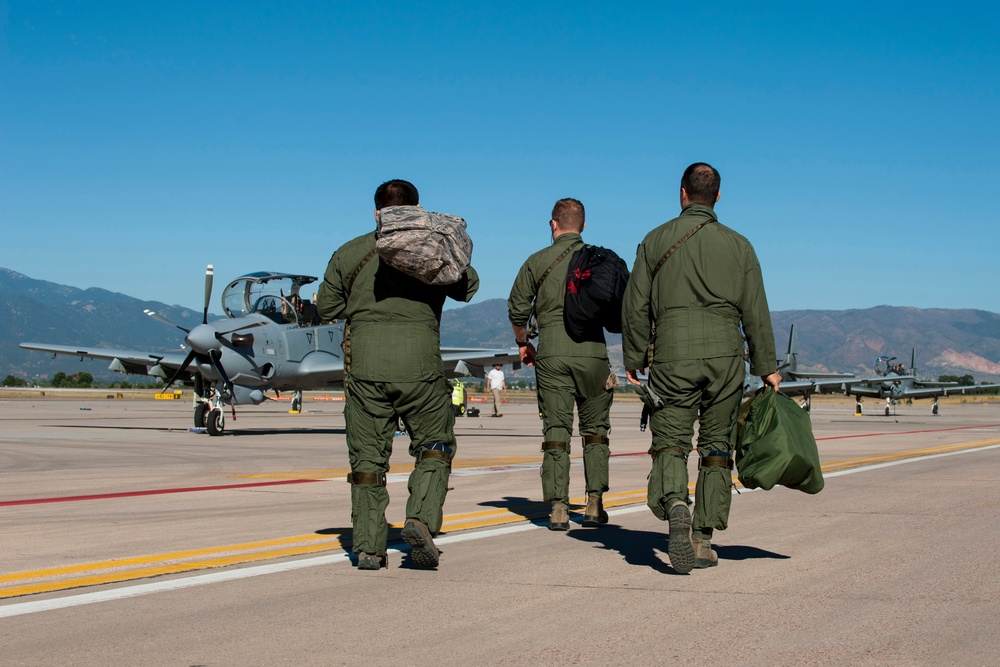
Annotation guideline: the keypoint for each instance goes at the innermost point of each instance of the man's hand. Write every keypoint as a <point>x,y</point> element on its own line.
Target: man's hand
<point>527,354</point>
<point>633,375</point>
<point>772,380</point>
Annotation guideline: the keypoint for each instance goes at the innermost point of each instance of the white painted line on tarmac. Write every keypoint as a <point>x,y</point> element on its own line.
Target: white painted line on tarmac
<point>35,606</point>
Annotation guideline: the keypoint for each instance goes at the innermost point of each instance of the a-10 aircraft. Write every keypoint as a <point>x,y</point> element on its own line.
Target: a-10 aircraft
<point>271,341</point>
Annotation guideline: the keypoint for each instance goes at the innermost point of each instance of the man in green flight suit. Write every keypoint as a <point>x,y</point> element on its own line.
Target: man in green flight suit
<point>566,372</point>
<point>393,370</point>
<point>695,282</point>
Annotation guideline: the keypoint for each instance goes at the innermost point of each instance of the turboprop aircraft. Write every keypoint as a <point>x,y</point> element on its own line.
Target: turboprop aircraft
<point>893,383</point>
<point>795,383</point>
<point>271,341</point>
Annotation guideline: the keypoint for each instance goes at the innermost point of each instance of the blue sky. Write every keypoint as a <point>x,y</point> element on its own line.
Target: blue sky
<point>857,142</point>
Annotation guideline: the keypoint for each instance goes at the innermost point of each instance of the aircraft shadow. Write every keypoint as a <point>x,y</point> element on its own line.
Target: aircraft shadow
<point>228,432</point>
<point>288,431</point>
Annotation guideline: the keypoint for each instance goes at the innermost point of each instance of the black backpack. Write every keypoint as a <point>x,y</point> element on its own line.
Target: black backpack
<point>595,286</point>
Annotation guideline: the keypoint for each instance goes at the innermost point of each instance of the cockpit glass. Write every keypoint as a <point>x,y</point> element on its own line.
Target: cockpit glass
<point>249,295</point>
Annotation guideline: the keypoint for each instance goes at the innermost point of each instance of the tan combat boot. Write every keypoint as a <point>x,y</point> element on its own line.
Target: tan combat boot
<point>679,548</point>
<point>422,549</point>
<point>559,516</point>
<point>594,515</point>
<point>704,554</point>
<point>371,561</point>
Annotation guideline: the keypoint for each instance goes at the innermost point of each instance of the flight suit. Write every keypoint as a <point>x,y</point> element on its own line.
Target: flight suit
<point>699,300</point>
<point>566,373</point>
<point>395,373</point>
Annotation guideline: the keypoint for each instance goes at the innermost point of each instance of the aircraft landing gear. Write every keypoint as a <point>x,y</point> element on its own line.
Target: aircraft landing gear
<point>297,402</point>
<point>215,424</point>
<point>200,414</point>
<point>208,411</point>
<point>934,408</point>
<point>857,406</point>
<point>888,402</point>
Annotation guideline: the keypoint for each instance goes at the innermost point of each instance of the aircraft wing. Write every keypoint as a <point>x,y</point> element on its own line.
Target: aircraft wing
<point>321,369</point>
<point>126,361</point>
<point>464,362</point>
<point>929,392</point>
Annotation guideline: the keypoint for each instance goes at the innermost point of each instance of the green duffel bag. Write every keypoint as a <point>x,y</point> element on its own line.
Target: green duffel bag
<point>775,444</point>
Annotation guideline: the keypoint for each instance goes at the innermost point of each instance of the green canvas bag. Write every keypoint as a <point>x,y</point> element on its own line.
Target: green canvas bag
<point>775,444</point>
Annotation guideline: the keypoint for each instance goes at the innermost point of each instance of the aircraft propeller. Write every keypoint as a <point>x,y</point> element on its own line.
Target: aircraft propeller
<point>204,341</point>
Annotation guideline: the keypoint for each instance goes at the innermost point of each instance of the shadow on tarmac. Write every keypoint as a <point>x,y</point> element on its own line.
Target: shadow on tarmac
<point>532,510</point>
<point>394,541</point>
<point>230,431</point>
<point>640,547</point>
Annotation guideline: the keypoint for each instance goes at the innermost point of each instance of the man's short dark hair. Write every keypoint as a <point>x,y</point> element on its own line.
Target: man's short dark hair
<point>701,182</point>
<point>396,193</point>
<point>569,214</point>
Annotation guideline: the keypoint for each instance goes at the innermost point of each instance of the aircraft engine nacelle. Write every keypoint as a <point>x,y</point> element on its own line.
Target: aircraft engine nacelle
<point>247,395</point>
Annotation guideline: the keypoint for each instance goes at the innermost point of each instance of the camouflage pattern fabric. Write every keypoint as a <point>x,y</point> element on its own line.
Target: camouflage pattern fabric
<point>432,247</point>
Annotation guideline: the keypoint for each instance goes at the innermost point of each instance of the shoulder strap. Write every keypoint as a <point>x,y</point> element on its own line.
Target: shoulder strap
<point>357,269</point>
<point>555,263</point>
<point>677,245</point>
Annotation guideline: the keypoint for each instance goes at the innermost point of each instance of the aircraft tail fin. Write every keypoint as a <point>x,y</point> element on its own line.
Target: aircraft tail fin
<point>790,363</point>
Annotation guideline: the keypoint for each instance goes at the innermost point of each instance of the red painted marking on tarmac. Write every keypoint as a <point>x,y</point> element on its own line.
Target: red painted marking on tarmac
<point>864,435</point>
<point>930,430</point>
<point>152,492</point>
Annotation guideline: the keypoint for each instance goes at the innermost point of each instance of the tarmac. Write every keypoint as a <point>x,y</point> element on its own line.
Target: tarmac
<point>127,539</point>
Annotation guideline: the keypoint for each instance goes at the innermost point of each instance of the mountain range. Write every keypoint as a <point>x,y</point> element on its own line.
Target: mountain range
<point>954,342</point>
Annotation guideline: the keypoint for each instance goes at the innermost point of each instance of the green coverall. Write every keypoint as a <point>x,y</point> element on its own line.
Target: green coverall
<point>395,371</point>
<point>699,300</point>
<point>566,373</point>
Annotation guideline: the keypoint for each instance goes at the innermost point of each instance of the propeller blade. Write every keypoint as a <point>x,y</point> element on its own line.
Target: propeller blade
<point>179,371</point>
<point>161,318</point>
<point>209,277</point>
<point>216,357</point>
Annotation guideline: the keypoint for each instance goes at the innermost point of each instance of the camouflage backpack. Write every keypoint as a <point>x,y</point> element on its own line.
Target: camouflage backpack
<point>432,247</point>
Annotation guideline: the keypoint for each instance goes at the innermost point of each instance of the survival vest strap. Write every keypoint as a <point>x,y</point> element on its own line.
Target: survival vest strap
<point>652,275</point>
<point>345,343</point>
<point>532,317</point>
<point>595,287</point>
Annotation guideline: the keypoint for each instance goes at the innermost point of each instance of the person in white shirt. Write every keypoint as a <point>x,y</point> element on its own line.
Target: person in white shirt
<point>496,384</point>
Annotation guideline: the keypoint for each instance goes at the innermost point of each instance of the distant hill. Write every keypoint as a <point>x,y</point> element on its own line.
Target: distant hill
<point>955,342</point>
<point>38,311</point>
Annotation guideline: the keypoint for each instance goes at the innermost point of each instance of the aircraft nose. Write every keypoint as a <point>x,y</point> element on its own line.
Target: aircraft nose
<point>202,339</point>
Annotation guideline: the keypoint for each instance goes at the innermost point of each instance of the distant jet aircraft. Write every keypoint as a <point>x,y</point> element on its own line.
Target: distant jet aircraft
<point>893,383</point>
<point>271,341</point>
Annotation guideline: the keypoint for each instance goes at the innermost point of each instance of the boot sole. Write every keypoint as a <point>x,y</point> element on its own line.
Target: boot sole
<point>599,520</point>
<point>422,549</point>
<point>680,549</point>
<point>559,526</point>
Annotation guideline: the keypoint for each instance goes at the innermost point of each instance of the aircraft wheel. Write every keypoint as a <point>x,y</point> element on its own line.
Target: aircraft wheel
<point>215,423</point>
<point>200,411</point>
<point>887,411</point>
<point>296,404</point>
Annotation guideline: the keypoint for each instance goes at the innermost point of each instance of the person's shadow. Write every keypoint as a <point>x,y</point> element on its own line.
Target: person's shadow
<point>643,547</point>
<point>534,511</point>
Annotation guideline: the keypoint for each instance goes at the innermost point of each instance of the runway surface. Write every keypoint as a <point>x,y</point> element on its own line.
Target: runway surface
<point>127,539</point>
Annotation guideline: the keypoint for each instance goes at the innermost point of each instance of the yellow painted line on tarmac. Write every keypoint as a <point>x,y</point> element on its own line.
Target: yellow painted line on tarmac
<point>128,569</point>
